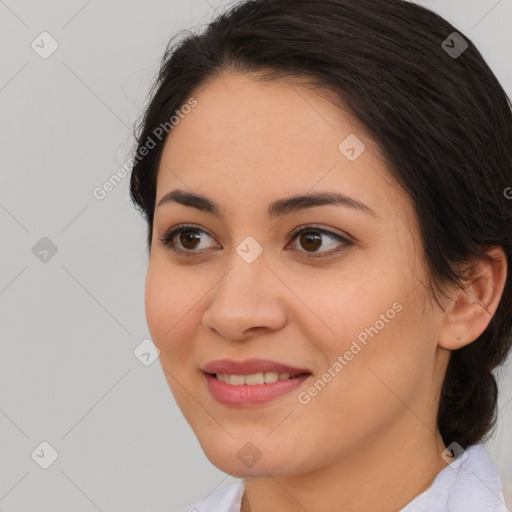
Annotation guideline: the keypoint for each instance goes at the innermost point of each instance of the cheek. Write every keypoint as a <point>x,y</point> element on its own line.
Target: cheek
<point>170,311</point>
<point>170,317</point>
<point>374,325</point>
<point>354,307</point>
<point>386,361</point>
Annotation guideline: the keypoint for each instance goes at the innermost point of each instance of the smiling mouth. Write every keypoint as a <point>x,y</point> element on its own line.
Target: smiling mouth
<point>253,389</point>
<point>255,378</point>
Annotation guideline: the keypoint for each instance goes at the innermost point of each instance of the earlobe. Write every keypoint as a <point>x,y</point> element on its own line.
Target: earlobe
<point>469,311</point>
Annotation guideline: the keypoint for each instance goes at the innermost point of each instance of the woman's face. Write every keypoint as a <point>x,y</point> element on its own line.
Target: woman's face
<point>242,286</point>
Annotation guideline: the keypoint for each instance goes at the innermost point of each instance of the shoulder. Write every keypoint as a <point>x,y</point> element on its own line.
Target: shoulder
<point>225,499</point>
<point>471,483</point>
<point>477,483</point>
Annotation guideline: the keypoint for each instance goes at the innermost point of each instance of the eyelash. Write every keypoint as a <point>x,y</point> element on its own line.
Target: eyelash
<point>167,239</point>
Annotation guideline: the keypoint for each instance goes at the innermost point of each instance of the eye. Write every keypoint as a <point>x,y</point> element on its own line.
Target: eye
<point>189,238</point>
<point>311,239</point>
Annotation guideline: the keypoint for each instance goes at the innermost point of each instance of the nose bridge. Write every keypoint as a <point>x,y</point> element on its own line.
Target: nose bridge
<point>244,285</point>
<point>244,298</point>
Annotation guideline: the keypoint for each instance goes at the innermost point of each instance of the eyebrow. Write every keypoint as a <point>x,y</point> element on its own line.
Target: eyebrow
<point>278,208</point>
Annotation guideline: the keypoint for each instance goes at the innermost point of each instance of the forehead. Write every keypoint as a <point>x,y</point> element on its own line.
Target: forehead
<point>254,139</point>
<point>239,108</point>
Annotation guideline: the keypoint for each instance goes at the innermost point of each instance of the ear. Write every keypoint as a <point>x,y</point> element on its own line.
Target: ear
<point>469,311</point>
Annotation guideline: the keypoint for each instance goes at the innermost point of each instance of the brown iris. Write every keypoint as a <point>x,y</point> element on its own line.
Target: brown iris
<point>189,236</point>
<point>310,237</point>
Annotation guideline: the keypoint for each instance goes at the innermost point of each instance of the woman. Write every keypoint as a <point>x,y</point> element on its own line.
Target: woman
<point>329,229</point>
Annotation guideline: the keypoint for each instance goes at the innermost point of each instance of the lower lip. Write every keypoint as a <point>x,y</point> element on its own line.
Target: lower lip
<point>245,394</point>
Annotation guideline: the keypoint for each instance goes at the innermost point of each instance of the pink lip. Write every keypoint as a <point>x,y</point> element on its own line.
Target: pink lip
<point>250,366</point>
<point>247,395</point>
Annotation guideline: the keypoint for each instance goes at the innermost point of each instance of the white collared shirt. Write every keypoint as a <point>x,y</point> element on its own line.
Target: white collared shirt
<point>470,484</point>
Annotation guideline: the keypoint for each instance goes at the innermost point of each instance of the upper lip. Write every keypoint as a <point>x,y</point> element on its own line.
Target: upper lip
<point>250,366</point>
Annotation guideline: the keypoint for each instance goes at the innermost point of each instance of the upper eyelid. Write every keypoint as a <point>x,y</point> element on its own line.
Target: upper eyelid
<point>326,231</point>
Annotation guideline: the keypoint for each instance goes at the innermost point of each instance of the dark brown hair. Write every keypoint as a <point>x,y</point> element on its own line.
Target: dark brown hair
<point>443,123</point>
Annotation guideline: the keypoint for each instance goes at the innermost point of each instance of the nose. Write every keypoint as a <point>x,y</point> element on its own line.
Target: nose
<point>248,300</point>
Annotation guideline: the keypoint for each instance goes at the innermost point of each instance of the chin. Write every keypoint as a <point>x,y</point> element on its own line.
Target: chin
<point>248,461</point>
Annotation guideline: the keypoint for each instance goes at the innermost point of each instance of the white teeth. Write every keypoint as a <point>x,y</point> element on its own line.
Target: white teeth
<point>223,377</point>
<point>237,380</point>
<point>271,377</point>
<point>253,378</point>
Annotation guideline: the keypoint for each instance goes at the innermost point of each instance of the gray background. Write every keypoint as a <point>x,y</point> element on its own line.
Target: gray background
<point>69,325</point>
